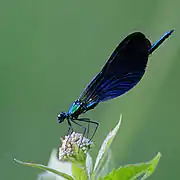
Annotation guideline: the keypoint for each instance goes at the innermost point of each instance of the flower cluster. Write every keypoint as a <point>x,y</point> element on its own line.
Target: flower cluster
<point>67,148</point>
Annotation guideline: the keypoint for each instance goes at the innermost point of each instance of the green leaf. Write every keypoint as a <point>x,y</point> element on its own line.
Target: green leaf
<point>153,164</point>
<point>132,172</point>
<point>107,166</point>
<point>42,167</point>
<point>89,165</point>
<point>79,172</point>
<point>103,152</point>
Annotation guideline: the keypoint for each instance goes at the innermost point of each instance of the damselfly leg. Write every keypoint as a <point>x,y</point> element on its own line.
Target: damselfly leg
<point>70,130</point>
<point>84,132</point>
<point>92,122</point>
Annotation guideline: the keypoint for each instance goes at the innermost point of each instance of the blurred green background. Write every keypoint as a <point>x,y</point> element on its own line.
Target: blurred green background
<point>50,50</point>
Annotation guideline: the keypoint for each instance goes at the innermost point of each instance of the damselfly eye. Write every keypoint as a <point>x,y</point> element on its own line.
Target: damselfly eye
<point>61,117</point>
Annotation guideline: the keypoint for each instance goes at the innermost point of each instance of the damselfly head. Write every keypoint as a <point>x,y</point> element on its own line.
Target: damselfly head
<point>61,117</point>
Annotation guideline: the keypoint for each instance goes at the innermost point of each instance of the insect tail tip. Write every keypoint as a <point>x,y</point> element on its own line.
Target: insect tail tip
<point>171,31</point>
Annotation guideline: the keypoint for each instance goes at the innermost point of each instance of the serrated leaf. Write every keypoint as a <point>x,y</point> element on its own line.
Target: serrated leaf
<point>45,168</point>
<point>89,165</point>
<point>103,152</point>
<point>132,172</point>
<point>153,164</point>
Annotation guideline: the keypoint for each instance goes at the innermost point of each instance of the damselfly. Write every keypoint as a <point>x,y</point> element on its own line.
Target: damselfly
<point>123,70</point>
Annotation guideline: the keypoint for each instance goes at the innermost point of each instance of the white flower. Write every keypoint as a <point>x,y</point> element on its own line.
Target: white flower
<point>68,145</point>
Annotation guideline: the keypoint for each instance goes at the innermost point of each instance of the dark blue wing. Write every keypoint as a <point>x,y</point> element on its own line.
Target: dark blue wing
<point>122,71</point>
<point>117,87</point>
